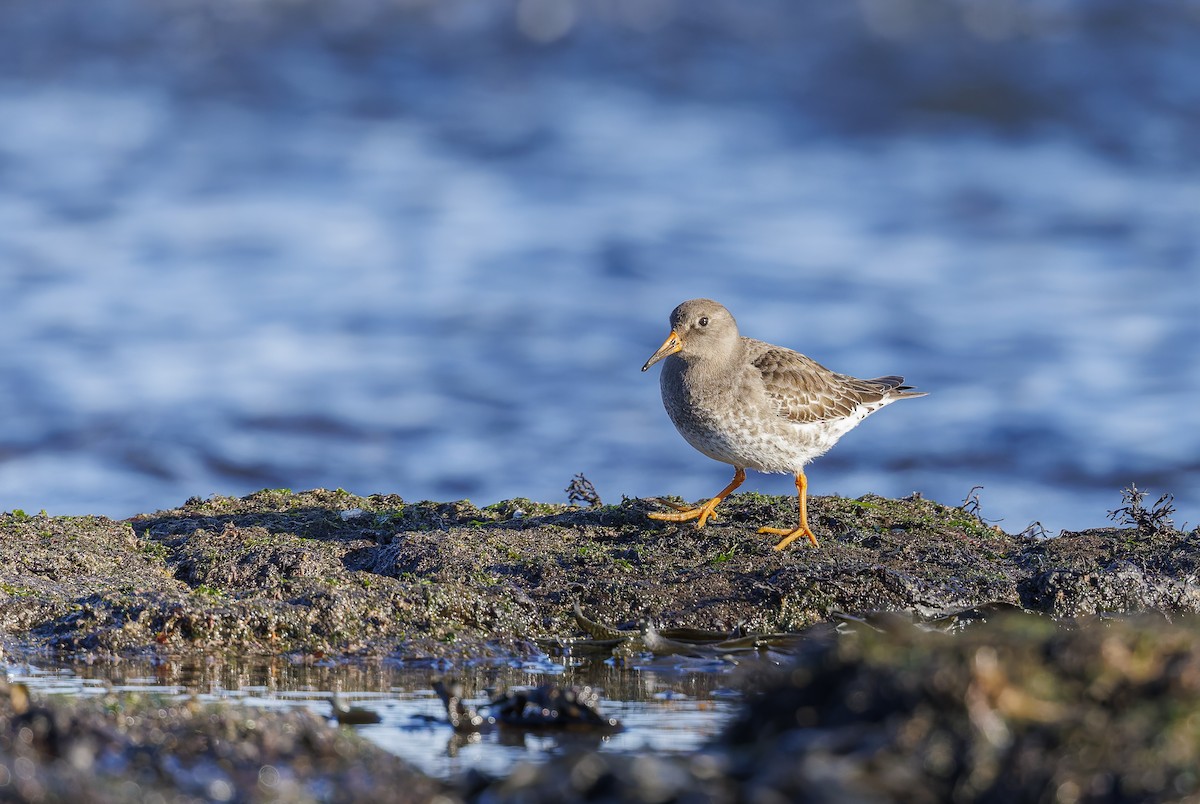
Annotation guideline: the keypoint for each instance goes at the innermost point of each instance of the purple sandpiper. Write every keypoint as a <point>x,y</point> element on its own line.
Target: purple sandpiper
<point>757,406</point>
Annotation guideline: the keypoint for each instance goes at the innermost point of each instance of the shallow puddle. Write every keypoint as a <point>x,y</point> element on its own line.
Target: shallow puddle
<point>665,705</point>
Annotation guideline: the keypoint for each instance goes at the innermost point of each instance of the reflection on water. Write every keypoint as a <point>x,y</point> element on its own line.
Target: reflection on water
<point>669,708</point>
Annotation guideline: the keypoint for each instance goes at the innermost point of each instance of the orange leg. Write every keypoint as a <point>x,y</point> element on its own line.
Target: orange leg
<point>702,513</point>
<point>790,535</point>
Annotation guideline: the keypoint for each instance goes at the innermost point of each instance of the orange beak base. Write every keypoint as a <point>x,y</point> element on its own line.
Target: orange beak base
<point>670,346</point>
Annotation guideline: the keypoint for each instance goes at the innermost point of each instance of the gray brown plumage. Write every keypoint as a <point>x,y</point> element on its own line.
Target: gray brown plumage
<point>757,406</point>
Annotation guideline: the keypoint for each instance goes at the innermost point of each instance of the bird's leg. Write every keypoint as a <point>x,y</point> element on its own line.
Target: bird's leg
<point>790,535</point>
<point>702,513</point>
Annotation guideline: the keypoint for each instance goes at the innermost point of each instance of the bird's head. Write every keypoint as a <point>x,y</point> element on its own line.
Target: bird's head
<point>700,328</point>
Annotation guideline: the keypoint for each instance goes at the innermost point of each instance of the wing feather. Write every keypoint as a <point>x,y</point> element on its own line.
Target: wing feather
<point>805,391</point>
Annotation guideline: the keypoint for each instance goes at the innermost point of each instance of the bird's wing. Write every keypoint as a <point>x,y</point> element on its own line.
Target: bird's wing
<point>806,391</point>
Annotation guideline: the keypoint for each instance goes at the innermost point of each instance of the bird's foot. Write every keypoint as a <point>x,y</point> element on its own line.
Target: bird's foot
<point>701,513</point>
<point>670,504</point>
<point>790,535</point>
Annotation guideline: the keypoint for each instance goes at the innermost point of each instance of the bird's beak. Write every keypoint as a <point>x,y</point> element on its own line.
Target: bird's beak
<point>670,346</point>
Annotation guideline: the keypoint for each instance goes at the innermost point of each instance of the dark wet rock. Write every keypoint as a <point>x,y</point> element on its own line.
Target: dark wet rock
<point>461,716</point>
<point>546,707</point>
<point>349,715</point>
<point>1016,709</point>
<point>118,748</point>
<point>328,573</point>
<point>604,639</point>
<point>1113,571</point>
<point>593,776</point>
<point>551,706</point>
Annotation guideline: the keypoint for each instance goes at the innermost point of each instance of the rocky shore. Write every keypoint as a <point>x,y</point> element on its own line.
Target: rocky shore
<point>1054,691</point>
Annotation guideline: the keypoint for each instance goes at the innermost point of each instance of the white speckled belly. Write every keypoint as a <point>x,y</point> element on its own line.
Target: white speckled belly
<point>742,428</point>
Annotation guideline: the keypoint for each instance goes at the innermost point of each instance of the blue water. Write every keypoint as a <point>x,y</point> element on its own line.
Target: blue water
<point>425,248</point>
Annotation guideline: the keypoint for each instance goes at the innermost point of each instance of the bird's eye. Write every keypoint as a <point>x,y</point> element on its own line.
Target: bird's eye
<point>703,321</point>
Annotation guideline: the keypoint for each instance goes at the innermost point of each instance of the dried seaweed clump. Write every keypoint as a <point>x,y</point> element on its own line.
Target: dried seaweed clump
<point>1153,521</point>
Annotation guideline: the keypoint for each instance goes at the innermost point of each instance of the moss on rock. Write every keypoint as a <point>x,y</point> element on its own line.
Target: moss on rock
<point>334,573</point>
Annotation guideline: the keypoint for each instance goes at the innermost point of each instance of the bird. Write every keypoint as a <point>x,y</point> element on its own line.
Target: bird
<point>756,406</point>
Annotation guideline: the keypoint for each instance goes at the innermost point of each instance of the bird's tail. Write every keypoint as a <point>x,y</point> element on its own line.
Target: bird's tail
<point>894,387</point>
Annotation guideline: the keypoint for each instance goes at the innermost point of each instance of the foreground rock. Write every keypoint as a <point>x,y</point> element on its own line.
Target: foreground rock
<point>326,573</point>
<point>1023,706</point>
<point>1017,709</point>
<point>121,748</point>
